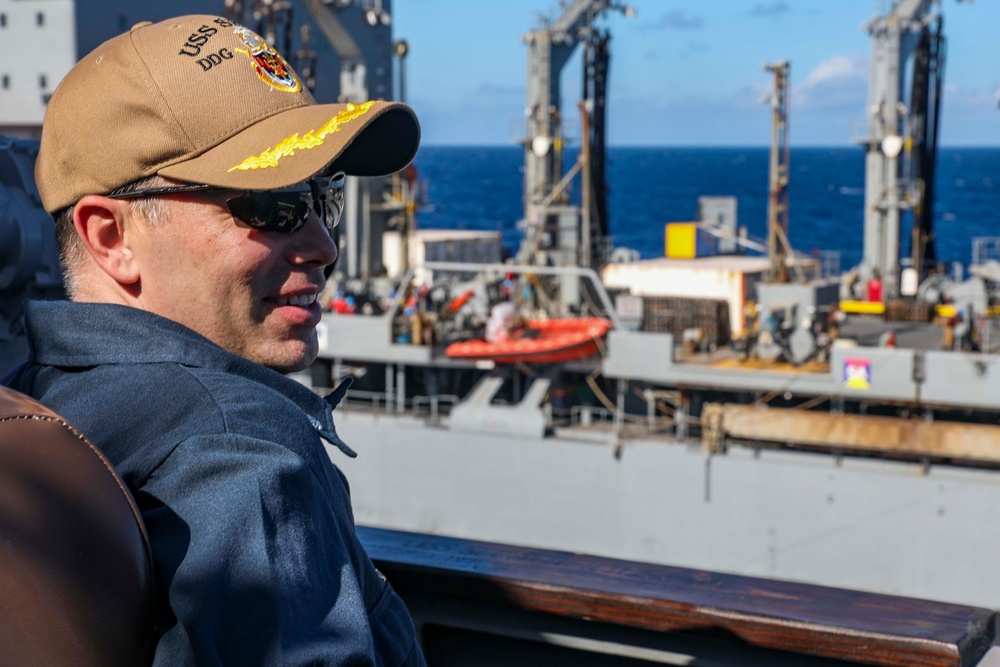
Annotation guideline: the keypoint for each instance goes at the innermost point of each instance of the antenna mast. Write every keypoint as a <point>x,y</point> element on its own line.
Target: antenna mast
<point>778,246</point>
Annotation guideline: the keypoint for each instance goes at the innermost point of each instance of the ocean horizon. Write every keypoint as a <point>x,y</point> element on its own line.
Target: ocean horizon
<point>480,187</point>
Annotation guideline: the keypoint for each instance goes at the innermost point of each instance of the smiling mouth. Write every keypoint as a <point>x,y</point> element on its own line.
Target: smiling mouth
<point>302,300</point>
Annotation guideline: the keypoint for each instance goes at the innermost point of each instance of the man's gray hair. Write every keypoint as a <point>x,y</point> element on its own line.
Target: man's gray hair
<point>71,249</point>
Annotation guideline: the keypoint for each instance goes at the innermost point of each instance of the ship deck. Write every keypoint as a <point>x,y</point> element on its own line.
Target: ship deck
<point>866,330</point>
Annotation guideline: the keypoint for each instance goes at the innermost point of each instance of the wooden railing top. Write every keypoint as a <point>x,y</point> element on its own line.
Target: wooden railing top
<point>799,618</point>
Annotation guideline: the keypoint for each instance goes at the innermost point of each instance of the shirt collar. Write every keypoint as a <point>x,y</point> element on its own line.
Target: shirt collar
<point>76,335</point>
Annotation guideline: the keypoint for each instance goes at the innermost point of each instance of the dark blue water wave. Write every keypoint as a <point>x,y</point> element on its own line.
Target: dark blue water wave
<point>481,188</point>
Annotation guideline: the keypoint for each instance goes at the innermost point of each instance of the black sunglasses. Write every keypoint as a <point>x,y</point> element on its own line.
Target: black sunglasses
<point>284,211</point>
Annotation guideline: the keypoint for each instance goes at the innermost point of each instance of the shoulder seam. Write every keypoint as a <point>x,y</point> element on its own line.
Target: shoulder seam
<point>211,394</point>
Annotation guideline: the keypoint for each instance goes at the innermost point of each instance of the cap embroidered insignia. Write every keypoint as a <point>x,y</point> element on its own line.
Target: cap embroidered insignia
<point>287,147</point>
<point>267,63</point>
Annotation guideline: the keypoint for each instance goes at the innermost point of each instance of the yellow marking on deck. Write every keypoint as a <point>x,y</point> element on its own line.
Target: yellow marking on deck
<point>863,307</point>
<point>878,308</point>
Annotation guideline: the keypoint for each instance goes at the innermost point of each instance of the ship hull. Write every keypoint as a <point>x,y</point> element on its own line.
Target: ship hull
<point>870,524</point>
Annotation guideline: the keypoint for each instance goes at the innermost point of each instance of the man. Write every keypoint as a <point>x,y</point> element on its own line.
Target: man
<point>195,184</point>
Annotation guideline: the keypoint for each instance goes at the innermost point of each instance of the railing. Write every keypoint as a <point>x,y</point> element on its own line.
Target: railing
<point>489,604</point>
<point>577,415</point>
<point>569,272</point>
<point>437,407</point>
<point>584,415</point>
<point>829,263</point>
<point>434,405</point>
<point>370,400</point>
<point>828,260</point>
<point>985,248</point>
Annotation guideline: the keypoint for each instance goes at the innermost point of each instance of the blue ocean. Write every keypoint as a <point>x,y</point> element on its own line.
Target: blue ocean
<point>481,188</point>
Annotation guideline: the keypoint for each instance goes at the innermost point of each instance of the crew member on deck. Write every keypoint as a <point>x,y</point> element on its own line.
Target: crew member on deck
<point>504,324</point>
<point>195,184</point>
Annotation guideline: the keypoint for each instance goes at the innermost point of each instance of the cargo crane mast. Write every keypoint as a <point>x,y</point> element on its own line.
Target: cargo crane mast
<point>555,231</point>
<point>902,139</point>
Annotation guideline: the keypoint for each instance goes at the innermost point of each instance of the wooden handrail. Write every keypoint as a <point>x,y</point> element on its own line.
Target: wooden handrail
<point>804,619</point>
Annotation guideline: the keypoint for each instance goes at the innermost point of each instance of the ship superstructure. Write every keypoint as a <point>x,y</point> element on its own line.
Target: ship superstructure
<point>46,30</point>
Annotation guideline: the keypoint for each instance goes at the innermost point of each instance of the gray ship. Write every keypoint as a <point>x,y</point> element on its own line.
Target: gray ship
<point>808,453</point>
<point>736,417</point>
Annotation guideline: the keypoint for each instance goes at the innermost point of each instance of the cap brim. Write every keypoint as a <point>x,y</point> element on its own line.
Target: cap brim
<point>370,139</point>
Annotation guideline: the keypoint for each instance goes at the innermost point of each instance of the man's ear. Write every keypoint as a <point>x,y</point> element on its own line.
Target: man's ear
<point>100,222</point>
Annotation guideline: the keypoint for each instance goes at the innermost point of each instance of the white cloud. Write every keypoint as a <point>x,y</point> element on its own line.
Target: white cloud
<point>837,69</point>
<point>838,82</point>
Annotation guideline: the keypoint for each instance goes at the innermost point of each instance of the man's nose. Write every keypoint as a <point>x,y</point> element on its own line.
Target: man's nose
<point>313,244</point>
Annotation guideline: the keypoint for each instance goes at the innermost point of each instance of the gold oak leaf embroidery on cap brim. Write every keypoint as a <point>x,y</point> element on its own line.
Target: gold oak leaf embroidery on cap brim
<point>272,156</point>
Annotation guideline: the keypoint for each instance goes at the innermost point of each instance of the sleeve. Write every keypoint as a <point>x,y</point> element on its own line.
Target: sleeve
<point>257,562</point>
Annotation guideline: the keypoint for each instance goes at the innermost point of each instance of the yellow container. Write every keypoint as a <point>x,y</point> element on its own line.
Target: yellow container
<point>681,240</point>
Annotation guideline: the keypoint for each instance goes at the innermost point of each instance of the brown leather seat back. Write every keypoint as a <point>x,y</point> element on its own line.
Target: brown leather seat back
<point>75,569</point>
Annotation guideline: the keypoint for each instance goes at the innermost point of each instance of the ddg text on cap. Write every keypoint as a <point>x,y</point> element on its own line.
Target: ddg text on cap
<point>202,99</point>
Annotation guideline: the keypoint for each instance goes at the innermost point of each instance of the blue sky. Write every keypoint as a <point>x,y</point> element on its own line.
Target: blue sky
<point>688,73</point>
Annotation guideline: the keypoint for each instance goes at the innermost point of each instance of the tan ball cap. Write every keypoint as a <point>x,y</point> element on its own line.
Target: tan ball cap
<point>204,100</point>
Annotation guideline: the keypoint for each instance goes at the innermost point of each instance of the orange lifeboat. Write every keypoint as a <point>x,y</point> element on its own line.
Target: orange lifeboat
<point>544,342</point>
